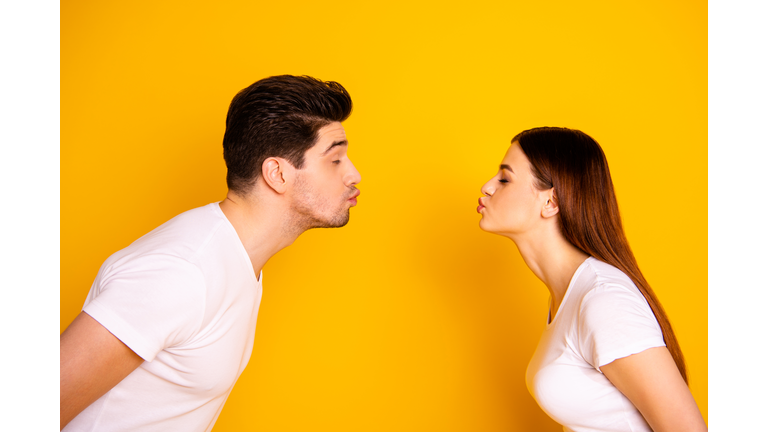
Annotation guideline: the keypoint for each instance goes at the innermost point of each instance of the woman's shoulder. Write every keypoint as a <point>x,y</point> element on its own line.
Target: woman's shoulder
<point>613,318</point>
<point>602,276</point>
<point>602,283</point>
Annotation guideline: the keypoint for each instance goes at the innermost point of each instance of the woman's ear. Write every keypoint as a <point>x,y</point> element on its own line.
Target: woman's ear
<point>550,208</point>
<point>273,171</point>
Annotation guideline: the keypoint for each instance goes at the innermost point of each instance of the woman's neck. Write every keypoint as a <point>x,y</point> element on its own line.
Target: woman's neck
<point>552,259</point>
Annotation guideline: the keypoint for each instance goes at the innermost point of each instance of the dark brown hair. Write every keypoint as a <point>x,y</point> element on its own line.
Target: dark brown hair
<point>278,116</point>
<point>574,164</point>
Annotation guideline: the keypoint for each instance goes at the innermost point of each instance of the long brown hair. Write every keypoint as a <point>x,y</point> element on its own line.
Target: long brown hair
<point>574,164</point>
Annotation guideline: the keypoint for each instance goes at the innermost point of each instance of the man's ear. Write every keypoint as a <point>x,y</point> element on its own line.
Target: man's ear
<point>274,171</point>
<point>550,208</point>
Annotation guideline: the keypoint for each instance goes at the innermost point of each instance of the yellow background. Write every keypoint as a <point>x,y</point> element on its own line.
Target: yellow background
<point>410,318</point>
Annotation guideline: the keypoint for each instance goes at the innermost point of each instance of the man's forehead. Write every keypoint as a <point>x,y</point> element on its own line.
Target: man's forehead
<point>328,137</point>
<point>332,131</point>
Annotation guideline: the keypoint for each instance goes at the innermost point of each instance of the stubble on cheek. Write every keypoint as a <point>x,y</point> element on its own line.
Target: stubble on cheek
<point>310,210</point>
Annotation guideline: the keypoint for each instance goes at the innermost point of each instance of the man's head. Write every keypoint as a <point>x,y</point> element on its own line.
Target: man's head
<point>284,133</point>
<point>280,117</point>
<point>324,190</point>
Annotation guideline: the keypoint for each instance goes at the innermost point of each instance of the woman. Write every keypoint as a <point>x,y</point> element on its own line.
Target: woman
<point>608,359</point>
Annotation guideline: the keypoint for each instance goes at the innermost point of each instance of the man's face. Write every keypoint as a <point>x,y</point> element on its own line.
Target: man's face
<point>325,187</point>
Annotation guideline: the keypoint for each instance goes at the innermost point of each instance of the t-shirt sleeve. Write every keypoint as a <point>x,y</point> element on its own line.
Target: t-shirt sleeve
<point>616,322</point>
<point>150,302</point>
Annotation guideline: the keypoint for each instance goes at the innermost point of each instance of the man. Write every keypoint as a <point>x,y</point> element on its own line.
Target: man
<point>168,325</point>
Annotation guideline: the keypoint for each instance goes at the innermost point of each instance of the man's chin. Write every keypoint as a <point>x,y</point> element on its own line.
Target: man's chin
<point>339,223</point>
<point>336,222</point>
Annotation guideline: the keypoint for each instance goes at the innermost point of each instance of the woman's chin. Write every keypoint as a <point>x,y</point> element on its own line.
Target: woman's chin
<point>485,226</point>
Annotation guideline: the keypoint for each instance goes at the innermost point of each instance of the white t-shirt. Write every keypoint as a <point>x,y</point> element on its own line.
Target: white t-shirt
<point>185,298</point>
<point>603,317</point>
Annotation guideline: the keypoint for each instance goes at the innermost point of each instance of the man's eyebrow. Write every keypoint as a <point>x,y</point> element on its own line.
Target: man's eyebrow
<point>506,167</point>
<point>335,143</point>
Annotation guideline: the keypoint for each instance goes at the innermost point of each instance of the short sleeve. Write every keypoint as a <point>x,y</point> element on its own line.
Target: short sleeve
<point>616,322</point>
<point>149,302</point>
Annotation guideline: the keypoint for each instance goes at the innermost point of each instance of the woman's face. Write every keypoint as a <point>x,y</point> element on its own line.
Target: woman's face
<point>511,204</point>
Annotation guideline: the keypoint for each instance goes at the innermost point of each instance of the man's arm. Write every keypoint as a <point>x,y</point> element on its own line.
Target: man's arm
<point>651,381</point>
<point>93,361</point>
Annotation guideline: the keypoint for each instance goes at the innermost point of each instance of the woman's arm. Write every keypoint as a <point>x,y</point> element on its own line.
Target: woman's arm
<point>651,381</point>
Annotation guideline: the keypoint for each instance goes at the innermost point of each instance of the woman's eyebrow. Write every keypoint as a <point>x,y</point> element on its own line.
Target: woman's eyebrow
<point>506,167</point>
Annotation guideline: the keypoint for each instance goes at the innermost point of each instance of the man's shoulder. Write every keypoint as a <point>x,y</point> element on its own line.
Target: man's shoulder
<point>185,236</point>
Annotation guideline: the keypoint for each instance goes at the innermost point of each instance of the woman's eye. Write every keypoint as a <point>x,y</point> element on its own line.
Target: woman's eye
<point>503,181</point>
<point>336,162</point>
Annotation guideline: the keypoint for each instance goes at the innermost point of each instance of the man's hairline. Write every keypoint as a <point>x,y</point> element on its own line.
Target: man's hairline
<point>315,142</point>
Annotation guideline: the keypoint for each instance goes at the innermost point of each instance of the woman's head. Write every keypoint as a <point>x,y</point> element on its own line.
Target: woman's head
<point>572,165</point>
<point>568,167</point>
<point>551,164</point>
<point>513,203</point>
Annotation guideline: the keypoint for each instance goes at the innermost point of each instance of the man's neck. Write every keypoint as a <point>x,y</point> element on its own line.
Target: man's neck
<point>263,226</point>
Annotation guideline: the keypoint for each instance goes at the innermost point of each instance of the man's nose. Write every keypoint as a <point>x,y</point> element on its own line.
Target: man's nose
<point>353,176</point>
